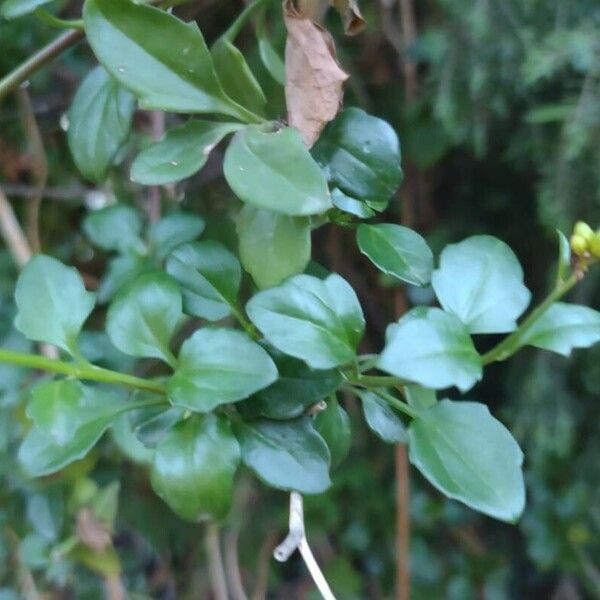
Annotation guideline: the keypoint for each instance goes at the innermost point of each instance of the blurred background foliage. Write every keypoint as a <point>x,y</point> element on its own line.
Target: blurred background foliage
<point>502,137</point>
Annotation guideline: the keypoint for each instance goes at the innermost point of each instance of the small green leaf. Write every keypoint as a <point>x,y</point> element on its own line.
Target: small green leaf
<point>564,327</point>
<point>333,424</point>
<point>143,317</point>
<point>209,276</point>
<point>361,156</point>
<point>235,76</point>
<point>432,348</point>
<point>194,467</point>
<point>351,205</point>
<point>287,455</point>
<point>218,366</point>
<point>320,322</point>
<point>117,227</point>
<point>564,256</point>
<point>161,59</point>
<point>275,171</point>
<point>469,456</point>
<point>397,251</point>
<point>99,123</point>
<point>151,425</point>
<point>480,280</point>
<point>52,302</point>
<point>382,420</point>
<point>419,397</point>
<point>272,246</point>
<point>121,271</point>
<point>272,62</point>
<point>183,151</point>
<point>13,9</point>
<point>173,230</point>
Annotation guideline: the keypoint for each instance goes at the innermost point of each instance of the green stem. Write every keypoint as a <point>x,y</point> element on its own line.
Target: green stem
<point>80,371</point>
<point>248,327</point>
<point>376,381</point>
<point>53,21</point>
<point>510,344</point>
<point>396,403</point>
<point>243,18</point>
<point>38,60</point>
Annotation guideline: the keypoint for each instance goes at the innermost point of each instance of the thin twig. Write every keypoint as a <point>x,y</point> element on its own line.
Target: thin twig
<point>232,564</point>
<point>12,233</point>
<point>296,540</point>
<point>215,563</point>
<point>262,567</point>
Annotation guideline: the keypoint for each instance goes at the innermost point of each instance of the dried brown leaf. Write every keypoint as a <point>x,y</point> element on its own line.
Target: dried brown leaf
<point>91,532</point>
<point>351,15</point>
<point>314,86</point>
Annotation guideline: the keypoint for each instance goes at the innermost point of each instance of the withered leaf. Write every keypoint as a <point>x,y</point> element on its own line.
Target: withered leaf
<point>351,15</point>
<point>314,79</point>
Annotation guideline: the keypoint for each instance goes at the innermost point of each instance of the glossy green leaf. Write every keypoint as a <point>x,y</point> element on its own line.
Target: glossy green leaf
<point>272,62</point>
<point>143,317</point>
<point>194,467</point>
<point>183,151</point>
<point>235,76</point>
<point>351,205</point>
<point>297,387</point>
<point>99,123</point>
<point>218,366</point>
<point>151,425</point>
<point>209,276</point>
<point>52,302</point>
<point>397,251</point>
<point>469,456</point>
<point>360,155</point>
<point>564,327</point>
<point>274,170</point>
<point>272,246</point>
<point>480,280</point>
<point>161,59</point>
<point>419,397</point>
<point>432,348</point>
<point>13,9</point>
<point>287,455</point>
<point>173,230</point>
<point>121,271</point>
<point>318,321</point>
<point>333,424</point>
<point>129,444</point>
<point>382,420</point>
<point>116,227</point>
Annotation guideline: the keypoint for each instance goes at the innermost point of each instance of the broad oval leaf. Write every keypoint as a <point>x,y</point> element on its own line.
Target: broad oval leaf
<point>333,424</point>
<point>142,319</point>
<point>272,246</point>
<point>469,456</point>
<point>182,151</point>
<point>161,59</point>
<point>209,276</point>
<point>116,227</point>
<point>480,280</point>
<point>99,123</point>
<point>52,302</point>
<point>274,170</point>
<point>382,420</point>
<point>173,230</point>
<point>287,455</point>
<point>564,327</point>
<point>360,155</point>
<point>397,251</point>
<point>194,467</point>
<point>218,366</point>
<point>432,348</point>
<point>318,321</point>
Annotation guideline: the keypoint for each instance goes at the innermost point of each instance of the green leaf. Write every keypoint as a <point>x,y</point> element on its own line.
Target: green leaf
<point>333,424</point>
<point>99,123</point>
<point>361,156</point>
<point>272,246</point>
<point>121,271</point>
<point>432,348</point>
<point>268,55</point>
<point>183,151</point>
<point>13,9</point>
<point>320,322</point>
<point>194,467</point>
<point>117,227</point>
<point>69,419</point>
<point>161,59</point>
<point>287,455</point>
<point>351,205</point>
<point>235,76</point>
<point>419,397</point>
<point>480,280</point>
<point>275,171</point>
<point>382,420</point>
<point>209,276</point>
<point>564,256</point>
<point>469,456</point>
<point>564,327</point>
<point>297,388</point>
<point>173,230</point>
<point>151,425</point>
<point>397,251</point>
<point>143,317</point>
<point>52,302</point>
<point>218,366</point>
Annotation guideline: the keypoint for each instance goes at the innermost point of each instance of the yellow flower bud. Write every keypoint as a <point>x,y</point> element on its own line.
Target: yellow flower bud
<point>584,230</point>
<point>578,244</point>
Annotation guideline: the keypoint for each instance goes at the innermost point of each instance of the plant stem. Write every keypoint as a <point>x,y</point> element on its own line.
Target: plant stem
<point>80,371</point>
<point>244,322</point>
<point>38,60</point>
<point>396,403</point>
<point>53,21</point>
<point>242,19</point>
<point>510,344</point>
<point>376,381</point>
